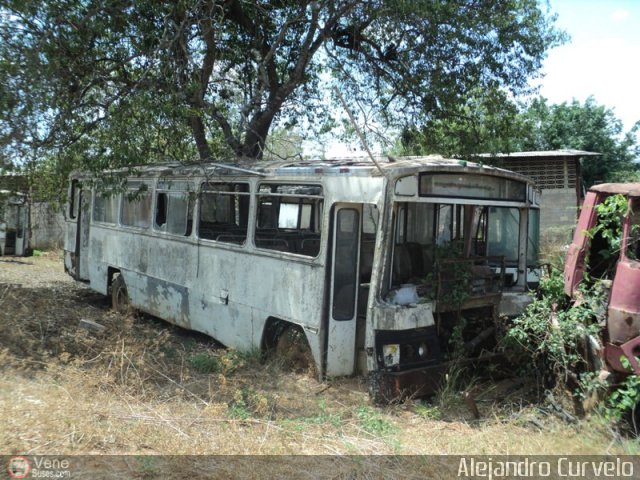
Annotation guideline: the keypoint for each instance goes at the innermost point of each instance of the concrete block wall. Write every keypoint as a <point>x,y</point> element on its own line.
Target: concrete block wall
<point>558,213</point>
<point>47,226</point>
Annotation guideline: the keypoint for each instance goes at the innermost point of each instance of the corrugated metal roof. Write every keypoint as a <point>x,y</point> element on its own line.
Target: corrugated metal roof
<point>542,153</point>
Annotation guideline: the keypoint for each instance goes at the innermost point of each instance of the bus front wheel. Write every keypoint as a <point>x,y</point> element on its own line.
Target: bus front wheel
<point>293,351</point>
<point>119,295</point>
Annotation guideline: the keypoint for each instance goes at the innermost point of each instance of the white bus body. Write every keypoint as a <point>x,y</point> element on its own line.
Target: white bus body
<point>343,251</point>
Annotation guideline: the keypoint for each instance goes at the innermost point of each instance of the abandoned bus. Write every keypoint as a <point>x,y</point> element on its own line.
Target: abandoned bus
<point>14,224</point>
<point>376,266</point>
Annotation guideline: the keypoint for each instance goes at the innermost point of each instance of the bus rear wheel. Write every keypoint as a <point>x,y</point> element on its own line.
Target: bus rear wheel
<point>119,295</point>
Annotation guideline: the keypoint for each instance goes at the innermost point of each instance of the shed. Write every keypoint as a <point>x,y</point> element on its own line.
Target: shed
<point>557,174</point>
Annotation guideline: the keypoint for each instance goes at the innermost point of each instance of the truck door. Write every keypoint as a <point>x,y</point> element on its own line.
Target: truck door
<point>575,261</point>
<point>623,315</point>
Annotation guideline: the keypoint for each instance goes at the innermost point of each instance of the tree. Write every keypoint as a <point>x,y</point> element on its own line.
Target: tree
<point>490,122</point>
<point>485,122</point>
<point>587,126</point>
<point>117,82</point>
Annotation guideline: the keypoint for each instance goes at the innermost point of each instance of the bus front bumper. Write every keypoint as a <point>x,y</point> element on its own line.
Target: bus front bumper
<point>387,387</point>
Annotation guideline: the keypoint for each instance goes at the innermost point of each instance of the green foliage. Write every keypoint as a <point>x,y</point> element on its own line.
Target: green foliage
<point>451,283</point>
<point>226,364</point>
<point>489,121</point>
<point>248,403</point>
<point>611,214</point>
<point>482,122</point>
<point>372,422</point>
<point>550,331</point>
<point>325,416</point>
<point>427,411</point>
<point>582,126</point>
<point>626,398</point>
<point>205,363</point>
<point>96,85</point>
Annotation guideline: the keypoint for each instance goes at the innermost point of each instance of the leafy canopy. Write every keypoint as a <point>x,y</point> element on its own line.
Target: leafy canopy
<point>103,83</point>
<point>490,122</point>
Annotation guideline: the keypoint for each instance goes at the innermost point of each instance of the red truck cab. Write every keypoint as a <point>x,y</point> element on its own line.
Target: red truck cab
<point>621,334</point>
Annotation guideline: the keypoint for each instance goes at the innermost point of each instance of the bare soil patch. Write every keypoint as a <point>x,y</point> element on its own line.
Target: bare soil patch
<point>142,386</point>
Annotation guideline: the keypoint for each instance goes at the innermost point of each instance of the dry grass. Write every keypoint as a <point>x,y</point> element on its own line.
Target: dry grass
<point>144,387</point>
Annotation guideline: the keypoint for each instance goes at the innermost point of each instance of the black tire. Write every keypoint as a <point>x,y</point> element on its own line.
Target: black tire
<point>119,295</point>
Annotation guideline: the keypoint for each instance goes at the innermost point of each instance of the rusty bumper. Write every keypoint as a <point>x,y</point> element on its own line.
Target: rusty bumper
<point>388,387</point>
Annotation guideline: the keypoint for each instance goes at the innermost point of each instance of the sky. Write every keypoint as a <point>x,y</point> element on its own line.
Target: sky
<point>601,59</point>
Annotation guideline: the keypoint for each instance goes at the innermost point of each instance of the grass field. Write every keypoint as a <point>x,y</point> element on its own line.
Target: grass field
<point>142,386</point>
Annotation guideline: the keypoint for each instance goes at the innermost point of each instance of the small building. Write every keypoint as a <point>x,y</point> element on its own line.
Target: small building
<point>557,174</point>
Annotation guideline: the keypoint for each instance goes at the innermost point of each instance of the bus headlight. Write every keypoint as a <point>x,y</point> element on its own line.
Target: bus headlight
<point>391,354</point>
<point>423,351</point>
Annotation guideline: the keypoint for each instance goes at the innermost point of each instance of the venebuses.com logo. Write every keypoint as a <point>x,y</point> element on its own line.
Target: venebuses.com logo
<point>18,467</point>
<point>38,467</point>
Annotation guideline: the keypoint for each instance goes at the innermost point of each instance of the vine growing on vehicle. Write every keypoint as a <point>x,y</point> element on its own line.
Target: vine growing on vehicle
<point>560,336</point>
<point>552,333</point>
<point>611,213</point>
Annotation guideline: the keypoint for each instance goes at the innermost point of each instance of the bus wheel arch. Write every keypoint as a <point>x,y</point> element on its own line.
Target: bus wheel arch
<point>119,295</point>
<point>287,343</point>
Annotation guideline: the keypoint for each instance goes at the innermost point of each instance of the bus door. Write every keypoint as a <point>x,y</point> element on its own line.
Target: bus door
<point>350,260</point>
<point>82,235</point>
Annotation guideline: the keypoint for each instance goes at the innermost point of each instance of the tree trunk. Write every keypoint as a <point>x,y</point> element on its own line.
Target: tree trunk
<point>256,135</point>
<point>200,137</point>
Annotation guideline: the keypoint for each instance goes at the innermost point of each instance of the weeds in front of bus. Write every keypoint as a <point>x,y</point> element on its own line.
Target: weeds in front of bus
<point>427,410</point>
<point>248,403</point>
<point>455,383</point>
<point>372,422</point>
<point>324,417</point>
<point>205,363</point>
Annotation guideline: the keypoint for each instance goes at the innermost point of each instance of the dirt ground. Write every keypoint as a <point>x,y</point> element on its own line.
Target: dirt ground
<point>142,386</point>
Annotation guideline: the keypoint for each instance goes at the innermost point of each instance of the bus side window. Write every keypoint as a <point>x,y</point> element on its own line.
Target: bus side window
<point>288,218</point>
<point>161,210</point>
<point>136,207</point>
<point>224,210</point>
<point>174,211</point>
<point>105,207</point>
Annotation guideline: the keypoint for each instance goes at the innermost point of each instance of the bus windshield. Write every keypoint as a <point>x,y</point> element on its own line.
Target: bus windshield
<point>428,232</point>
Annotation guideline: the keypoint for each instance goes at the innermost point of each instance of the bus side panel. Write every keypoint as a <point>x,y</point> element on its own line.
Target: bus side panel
<point>237,291</point>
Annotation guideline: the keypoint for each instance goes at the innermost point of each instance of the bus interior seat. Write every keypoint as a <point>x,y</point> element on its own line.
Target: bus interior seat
<point>237,239</point>
<point>310,247</point>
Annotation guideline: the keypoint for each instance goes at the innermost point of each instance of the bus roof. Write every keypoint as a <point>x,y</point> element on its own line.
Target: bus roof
<point>392,167</point>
